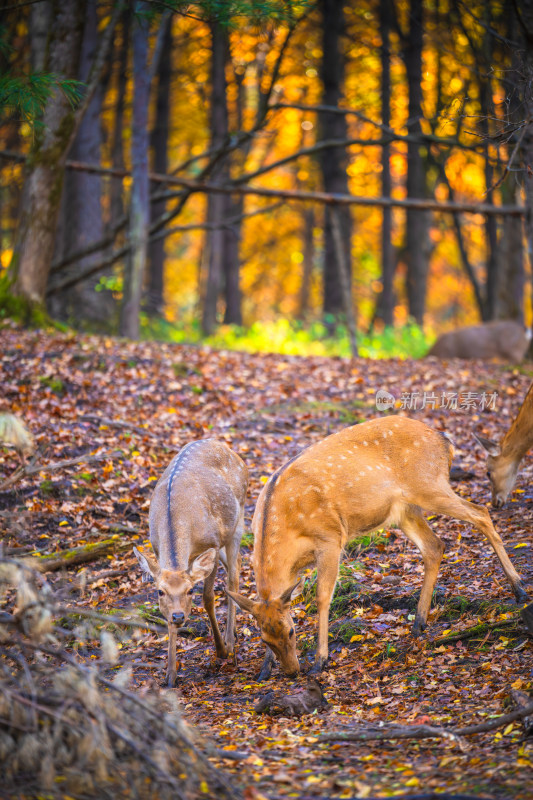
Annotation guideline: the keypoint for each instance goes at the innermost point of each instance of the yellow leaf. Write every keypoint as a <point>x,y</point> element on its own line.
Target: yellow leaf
<point>520,544</point>
<point>63,522</point>
<point>204,788</point>
<point>412,782</point>
<point>508,729</point>
<point>356,638</point>
<point>263,478</point>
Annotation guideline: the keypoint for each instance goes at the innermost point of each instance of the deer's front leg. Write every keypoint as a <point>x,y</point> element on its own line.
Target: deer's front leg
<point>209,605</point>
<point>170,677</point>
<point>327,571</point>
<point>266,667</point>
<point>234,568</point>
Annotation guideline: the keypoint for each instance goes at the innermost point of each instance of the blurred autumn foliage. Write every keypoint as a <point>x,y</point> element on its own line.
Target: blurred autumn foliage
<point>379,102</point>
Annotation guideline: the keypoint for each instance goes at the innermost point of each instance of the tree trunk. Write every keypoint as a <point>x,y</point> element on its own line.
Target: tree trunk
<point>217,203</point>
<point>232,264</point>
<point>140,200</point>
<point>510,282</point>
<point>510,278</point>
<point>525,27</point>
<point>344,280</point>
<point>417,222</point>
<point>385,302</point>
<point>116,191</point>
<point>308,218</point>
<point>46,163</point>
<point>159,145</point>
<point>491,223</point>
<point>333,162</point>
<point>83,198</point>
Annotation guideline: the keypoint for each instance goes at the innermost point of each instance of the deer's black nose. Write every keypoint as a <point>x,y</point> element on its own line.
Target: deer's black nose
<point>178,617</point>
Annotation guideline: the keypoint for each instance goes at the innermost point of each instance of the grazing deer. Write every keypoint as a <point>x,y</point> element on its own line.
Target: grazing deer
<point>378,473</point>
<point>504,459</point>
<point>196,516</point>
<point>503,339</point>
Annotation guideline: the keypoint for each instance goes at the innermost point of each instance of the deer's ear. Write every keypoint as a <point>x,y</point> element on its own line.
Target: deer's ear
<point>293,591</point>
<point>243,602</point>
<point>203,565</point>
<point>149,566</point>
<point>492,448</point>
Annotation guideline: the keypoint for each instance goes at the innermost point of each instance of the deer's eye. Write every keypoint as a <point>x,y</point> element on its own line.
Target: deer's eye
<point>291,632</point>
<point>191,591</point>
<point>160,593</point>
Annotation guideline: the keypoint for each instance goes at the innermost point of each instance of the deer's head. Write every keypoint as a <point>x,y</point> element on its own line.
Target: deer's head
<point>175,587</point>
<point>276,625</point>
<point>501,471</point>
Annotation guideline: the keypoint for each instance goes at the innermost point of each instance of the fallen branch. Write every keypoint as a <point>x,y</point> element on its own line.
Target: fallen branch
<point>523,700</point>
<point>131,621</point>
<point>51,562</point>
<point>26,471</point>
<point>476,630</point>
<point>116,423</point>
<point>393,731</point>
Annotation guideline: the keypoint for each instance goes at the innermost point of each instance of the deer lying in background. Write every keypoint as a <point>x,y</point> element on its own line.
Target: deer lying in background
<point>377,473</point>
<point>196,516</point>
<point>503,339</point>
<point>504,459</point>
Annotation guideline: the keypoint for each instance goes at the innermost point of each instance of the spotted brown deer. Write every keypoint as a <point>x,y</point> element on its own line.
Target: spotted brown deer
<point>503,459</point>
<point>196,516</point>
<point>378,473</point>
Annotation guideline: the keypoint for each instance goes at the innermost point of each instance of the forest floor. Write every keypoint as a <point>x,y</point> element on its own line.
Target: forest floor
<point>141,402</point>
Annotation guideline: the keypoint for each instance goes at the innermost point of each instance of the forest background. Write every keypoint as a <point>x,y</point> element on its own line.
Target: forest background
<point>269,175</point>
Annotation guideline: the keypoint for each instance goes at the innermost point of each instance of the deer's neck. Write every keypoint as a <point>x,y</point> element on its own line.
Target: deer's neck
<point>519,438</point>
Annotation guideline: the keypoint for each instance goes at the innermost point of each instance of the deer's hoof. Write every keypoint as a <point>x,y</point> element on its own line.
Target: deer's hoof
<point>170,679</point>
<point>418,627</point>
<point>318,666</point>
<point>521,594</point>
<point>264,675</point>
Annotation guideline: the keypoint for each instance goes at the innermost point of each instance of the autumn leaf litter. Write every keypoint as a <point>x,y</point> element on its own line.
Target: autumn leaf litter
<point>81,395</point>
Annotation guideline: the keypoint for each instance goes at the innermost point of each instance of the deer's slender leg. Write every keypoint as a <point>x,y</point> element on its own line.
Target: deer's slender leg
<point>170,677</point>
<point>209,605</point>
<point>447,502</point>
<point>418,531</point>
<point>327,572</point>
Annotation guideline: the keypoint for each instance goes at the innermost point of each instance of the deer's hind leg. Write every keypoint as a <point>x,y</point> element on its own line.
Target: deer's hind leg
<point>418,531</point>
<point>447,502</point>
<point>209,605</point>
<point>233,560</point>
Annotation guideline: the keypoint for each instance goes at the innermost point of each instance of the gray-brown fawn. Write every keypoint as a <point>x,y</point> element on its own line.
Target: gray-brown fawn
<point>504,459</point>
<point>377,473</point>
<point>196,517</point>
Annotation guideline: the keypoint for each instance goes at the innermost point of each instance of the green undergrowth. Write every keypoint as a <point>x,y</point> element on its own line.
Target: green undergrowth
<point>454,607</point>
<point>294,338</point>
<point>348,591</point>
<point>345,413</point>
<point>247,539</point>
<point>368,541</point>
